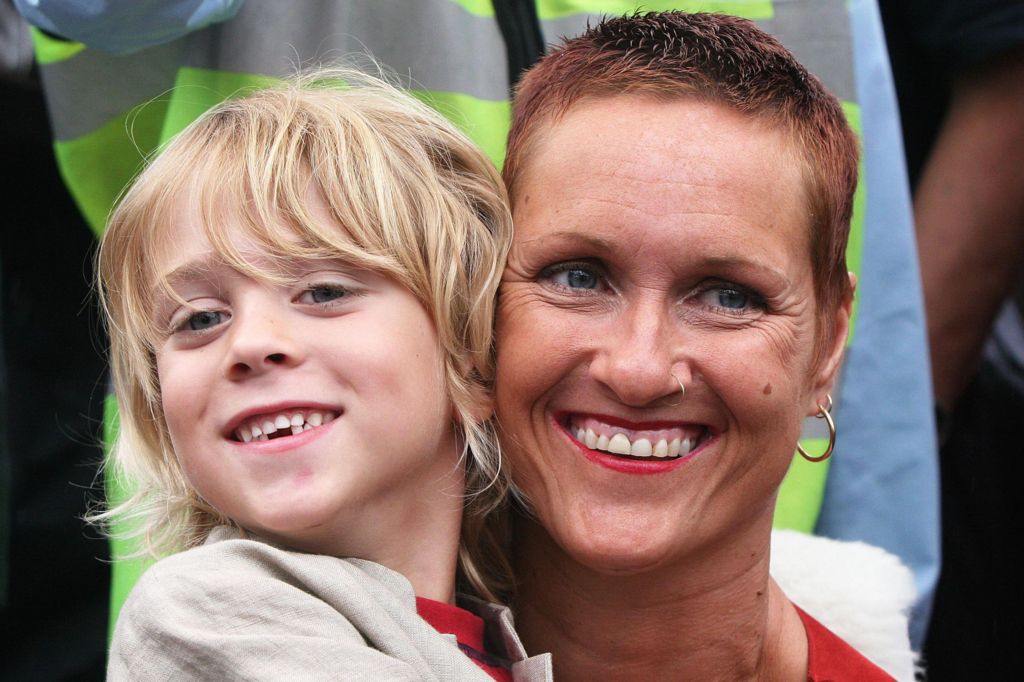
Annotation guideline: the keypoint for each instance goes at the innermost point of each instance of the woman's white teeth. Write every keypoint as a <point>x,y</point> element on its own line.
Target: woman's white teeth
<point>262,427</point>
<point>620,444</point>
<point>643,448</point>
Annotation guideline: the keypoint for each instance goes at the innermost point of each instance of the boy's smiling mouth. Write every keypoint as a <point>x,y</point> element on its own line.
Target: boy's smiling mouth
<point>280,424</point>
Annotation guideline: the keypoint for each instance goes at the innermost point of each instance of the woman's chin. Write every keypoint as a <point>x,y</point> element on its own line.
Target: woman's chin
<point>612,552</point>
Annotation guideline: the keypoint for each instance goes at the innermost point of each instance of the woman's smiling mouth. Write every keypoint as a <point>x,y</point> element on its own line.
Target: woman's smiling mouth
<point>636,442</point>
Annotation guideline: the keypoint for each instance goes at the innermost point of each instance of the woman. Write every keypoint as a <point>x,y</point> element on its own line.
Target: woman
<point>676,301</point>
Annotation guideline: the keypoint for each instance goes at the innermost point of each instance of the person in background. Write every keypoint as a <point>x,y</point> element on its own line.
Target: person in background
<point>54,573</point>
<point>960,77</point>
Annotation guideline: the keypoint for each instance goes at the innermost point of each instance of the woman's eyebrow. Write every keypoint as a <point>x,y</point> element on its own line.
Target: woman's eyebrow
<point>742,264</point>
<point>570,238</point>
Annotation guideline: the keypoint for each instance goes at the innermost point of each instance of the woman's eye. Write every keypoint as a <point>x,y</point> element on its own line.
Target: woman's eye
<point>573,276</point>
<point>733,299</point>
<point>323,294</point>
<point>730,298</point>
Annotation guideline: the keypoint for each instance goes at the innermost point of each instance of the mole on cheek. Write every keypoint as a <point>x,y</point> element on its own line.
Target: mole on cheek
<point>767,389</point>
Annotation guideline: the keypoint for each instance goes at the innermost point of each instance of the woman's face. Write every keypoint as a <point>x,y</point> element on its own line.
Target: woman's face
<point>657,241</point>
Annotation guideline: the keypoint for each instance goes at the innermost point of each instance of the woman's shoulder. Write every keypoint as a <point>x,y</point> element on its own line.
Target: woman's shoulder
<point>830,659</point>
<point>861,593</point>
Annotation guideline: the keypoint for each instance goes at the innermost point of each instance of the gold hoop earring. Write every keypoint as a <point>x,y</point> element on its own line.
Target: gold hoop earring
<point>682,391</point>
<point>824,412</point>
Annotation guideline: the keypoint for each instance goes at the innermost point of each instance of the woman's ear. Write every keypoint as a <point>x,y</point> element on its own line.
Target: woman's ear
<point>828,366</point>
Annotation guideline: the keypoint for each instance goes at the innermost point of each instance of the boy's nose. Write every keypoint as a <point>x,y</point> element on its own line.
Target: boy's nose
<point>261,342</point>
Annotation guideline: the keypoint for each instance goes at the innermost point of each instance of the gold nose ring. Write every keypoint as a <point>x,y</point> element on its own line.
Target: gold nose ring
<point>682,391</point>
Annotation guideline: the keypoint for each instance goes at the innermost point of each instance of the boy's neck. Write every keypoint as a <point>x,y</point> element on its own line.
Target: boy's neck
<point>415,535</point>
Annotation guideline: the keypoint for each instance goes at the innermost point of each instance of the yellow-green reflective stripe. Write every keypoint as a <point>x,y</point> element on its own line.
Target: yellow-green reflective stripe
<point>197,90</point>
<point>803,490</point>
<point>750,9</point>
<point>124,572</point>
<point>481,8</point>
<point>855,247</point>
<point>486,122</point>
<point>118,148</point>
<point>51,50</point>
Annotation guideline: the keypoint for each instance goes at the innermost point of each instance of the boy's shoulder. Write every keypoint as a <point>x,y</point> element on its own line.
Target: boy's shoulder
<point>238,608</point>
<point>232,561</point>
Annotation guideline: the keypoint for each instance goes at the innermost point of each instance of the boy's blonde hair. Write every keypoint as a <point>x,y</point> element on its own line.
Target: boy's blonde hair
<point>415,199</point>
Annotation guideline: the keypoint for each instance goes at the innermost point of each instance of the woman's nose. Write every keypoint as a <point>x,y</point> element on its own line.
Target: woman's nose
<point>261,341</point>
<point>638,357</point>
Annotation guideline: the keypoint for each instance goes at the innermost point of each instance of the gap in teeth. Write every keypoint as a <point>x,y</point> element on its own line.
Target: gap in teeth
<point>288,423</point>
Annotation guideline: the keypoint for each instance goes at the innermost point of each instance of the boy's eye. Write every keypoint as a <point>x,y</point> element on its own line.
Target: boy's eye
<point>203,320</point>
<point>323,293</point>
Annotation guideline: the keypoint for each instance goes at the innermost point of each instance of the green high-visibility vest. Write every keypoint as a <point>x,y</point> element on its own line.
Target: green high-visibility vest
<point>110,113</point>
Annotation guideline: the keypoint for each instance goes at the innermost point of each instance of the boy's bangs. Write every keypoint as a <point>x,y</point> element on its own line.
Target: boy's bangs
<point>259,231</point>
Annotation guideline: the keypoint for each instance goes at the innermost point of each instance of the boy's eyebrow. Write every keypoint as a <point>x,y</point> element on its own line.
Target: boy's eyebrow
<point>191,271</point>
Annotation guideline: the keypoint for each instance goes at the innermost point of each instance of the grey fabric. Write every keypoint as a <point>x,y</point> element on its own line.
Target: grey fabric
<point>239,609</point>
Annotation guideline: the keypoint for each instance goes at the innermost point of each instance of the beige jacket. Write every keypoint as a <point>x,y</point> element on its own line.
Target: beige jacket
<point>237,609</point>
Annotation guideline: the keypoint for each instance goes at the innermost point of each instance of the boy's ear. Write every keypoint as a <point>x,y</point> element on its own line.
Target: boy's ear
<point>828,367</point>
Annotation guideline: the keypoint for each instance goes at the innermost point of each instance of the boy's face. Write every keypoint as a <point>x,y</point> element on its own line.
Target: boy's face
<point>314,413</point>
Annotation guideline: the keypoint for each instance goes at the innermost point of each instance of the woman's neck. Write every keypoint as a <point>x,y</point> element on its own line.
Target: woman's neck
<point>719,617</point>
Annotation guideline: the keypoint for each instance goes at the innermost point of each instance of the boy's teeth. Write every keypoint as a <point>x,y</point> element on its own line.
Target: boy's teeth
<point>620,444</point>
<point>296,423</point>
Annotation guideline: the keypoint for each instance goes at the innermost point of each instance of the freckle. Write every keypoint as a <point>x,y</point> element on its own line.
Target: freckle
<point>767,389</point>
<point>760,593</point>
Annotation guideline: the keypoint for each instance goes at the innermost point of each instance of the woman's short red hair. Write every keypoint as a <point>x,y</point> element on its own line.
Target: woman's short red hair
<point>721,59</point>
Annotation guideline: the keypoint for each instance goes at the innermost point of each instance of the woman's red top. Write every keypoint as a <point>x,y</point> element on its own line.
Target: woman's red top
<point>830,659</point>
<point>468,629</point>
